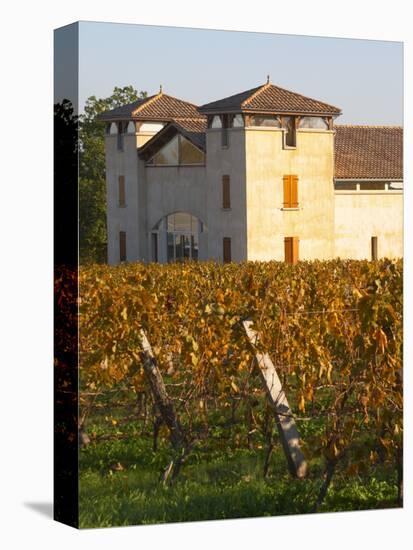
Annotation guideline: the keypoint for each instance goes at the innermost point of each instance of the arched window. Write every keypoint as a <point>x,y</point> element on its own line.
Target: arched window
<point>182,237</point>
<point>175,238</point>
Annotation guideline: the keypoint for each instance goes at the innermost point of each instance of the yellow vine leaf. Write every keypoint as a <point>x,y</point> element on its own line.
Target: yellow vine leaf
<point>234,387</point>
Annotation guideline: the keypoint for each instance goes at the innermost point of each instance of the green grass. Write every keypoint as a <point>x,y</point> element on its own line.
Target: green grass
<point>217,482</point>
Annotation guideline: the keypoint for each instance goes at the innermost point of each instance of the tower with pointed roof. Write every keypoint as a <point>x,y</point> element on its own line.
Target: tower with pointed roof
<point>276,147</point>
<point>128,129</point>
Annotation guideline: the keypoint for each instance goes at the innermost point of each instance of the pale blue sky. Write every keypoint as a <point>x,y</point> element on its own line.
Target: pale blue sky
<point>362,77</point>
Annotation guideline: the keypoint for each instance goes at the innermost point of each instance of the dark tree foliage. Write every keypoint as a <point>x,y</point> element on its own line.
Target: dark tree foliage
<point>92,185</point>
<point>65,176</point>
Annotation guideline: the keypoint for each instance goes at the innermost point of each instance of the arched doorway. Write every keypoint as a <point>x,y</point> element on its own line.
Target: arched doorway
<point>176,238</point>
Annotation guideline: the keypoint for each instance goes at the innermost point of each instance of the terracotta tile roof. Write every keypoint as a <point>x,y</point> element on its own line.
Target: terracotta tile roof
<point>156,107</point>
<point>371,152</point>
<point>231,103</point>
<point>270,98</point>
<point>123,112</point>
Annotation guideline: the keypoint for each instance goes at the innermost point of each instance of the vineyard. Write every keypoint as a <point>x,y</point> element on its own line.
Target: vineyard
<point>186,431</point>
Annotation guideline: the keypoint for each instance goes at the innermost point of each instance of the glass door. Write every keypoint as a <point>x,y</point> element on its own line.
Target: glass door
<point>182,237</point>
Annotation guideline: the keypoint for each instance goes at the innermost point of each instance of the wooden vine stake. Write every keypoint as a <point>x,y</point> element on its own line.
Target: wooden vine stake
<point>165,407</point>
<point>287,429</point>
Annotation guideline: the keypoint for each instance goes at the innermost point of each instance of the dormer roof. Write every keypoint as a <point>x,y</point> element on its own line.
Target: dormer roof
<point>192,129</point>
<point>272,99</point>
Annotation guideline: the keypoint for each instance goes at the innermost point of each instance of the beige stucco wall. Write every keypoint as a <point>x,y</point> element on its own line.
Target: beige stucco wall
<point>132,217</point>
<point>327,223</point>
<point>360,215</point>
<point>233,222</point>
<point>122,218</point>
<point>172,189</point>
<point>198,191</point>
<point>268,223</point>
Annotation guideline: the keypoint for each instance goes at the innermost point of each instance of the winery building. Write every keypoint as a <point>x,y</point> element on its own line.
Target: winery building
<point>265,174</point>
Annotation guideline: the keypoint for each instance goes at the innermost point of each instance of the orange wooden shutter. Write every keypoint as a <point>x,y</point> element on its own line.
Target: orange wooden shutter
<point>288,253</point>
<point>226,197</point>
<point>287,191</point>
<point>122,246</point>
<point>291,250</point>
<point>295,242</point>
<point>121,190</point>
<point>374,252</point>
<point>226,249</point>
<point>294,191</point>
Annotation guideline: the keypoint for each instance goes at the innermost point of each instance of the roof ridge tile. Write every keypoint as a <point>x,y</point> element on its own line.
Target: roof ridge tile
<point>146,103</point>
<point>255,94</point>
<point>200,117</point>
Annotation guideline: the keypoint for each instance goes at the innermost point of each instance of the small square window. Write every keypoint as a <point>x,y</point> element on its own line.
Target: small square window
<point>226,245</point>
<point>374,249</point>
<point>226,193</point>
<point>121,191</point>
<point>122,246</point>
